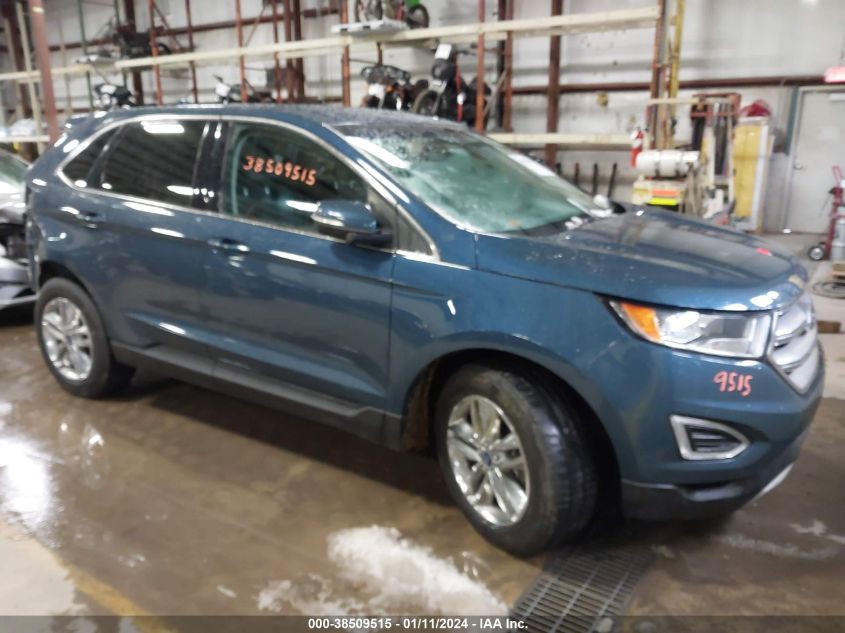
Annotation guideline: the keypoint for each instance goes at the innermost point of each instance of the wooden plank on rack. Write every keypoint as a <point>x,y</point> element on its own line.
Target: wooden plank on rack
<point>493,31</point>
<point>604,141</point>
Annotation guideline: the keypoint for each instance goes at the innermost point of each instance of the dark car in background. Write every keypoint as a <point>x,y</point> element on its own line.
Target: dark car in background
<point>415,283</point>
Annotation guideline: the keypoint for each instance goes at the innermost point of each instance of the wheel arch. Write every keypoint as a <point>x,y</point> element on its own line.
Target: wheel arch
<point>418,412</point>
<point>50,269</point>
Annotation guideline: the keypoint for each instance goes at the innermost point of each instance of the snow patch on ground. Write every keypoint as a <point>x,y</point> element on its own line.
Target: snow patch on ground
<point>379,572</point>
<point>817,528</point>
<point>786,550</point>
<point>314,596</point>
<point>401,573</point>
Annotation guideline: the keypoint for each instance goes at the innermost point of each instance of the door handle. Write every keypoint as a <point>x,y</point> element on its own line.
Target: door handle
<point>229,246</point>
<point>90,219</point>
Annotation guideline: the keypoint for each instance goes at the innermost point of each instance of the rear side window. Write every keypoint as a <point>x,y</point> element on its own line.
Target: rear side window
<point>79,168</point>
<point>276,176</point>
<point>154,160</point>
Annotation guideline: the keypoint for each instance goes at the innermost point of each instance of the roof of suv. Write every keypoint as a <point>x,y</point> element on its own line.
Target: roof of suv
<point>318,114</point>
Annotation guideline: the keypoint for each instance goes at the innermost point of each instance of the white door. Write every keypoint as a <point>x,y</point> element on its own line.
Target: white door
<point>820,145</point>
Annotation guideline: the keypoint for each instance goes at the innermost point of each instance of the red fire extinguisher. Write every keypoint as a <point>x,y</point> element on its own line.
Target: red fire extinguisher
<point>636,145</point>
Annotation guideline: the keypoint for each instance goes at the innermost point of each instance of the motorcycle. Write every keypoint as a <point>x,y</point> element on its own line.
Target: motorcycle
<point>390,88</point>
<point>411,12</point>
<point>230,93</point>
<point>452,98</point>
<point>14,268</point>
<point>133,45</point>
<point>113,97</point>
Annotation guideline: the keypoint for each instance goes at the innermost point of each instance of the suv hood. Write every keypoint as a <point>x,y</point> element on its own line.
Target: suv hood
<point>654,257</point>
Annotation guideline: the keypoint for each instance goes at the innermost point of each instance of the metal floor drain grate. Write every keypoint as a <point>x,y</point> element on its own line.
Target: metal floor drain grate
<point>581,588</point>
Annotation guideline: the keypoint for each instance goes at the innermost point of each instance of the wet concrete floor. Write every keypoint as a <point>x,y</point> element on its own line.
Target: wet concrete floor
<point>175,500</point>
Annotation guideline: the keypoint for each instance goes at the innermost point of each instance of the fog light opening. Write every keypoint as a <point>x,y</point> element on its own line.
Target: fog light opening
<point>704,439</point>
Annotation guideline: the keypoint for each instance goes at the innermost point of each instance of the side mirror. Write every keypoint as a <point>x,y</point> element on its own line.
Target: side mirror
<point>607,206</point>
<point>350,220</point>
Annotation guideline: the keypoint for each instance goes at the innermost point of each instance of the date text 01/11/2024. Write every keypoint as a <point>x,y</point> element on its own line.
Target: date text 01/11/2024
<point>363,623</point>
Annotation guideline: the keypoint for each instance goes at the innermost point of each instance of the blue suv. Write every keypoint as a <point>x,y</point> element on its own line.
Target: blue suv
<point>415,283</point>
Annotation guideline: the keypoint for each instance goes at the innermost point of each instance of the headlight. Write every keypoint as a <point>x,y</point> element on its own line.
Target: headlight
<point>737,335</point>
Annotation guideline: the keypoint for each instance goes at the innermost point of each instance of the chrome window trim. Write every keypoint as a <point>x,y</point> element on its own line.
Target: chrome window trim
<point>679,424</point>
<point>362,173</point>
<point>76,151</point>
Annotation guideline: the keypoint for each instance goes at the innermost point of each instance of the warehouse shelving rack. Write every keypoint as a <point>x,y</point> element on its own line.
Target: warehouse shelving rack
<point>500,32</point>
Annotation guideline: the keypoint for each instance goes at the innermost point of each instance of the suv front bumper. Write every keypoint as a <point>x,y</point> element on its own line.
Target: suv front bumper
<point>659,502</point>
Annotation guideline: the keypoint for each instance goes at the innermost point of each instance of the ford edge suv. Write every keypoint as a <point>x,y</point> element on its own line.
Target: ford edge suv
<point>417,284</point>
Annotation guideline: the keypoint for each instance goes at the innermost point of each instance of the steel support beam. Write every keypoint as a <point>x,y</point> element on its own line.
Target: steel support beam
<point>42,55</point>
<point>190,29</point>
<point>479,72</point>
<point>131,22</point>
<point>84,45</point>
<point>297,35</point>
<point>656,85</point>
<point>289,70</point>
<point>154,50</point>
<point>27,60</point>
<point>16,47</point>
<point>507,106</point>
<point>239,27</point>
<point>553,103</point>
<point>346,89</point>
<point>277,68</point>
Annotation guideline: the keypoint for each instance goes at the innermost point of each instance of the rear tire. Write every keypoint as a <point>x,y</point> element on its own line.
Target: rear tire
<point>557,475</point>
<point>73,341</point>
<point>425,103</point>
<point>417,17</point>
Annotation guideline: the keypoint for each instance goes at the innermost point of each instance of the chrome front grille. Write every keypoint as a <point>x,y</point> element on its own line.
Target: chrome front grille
<point>795,348</point>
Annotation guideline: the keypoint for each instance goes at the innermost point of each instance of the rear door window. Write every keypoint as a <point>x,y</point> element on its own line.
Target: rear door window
<point>79,169</point>
<point>155,160</point>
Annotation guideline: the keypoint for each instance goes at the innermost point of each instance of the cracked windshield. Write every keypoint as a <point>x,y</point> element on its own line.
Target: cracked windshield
<point>475,183</point>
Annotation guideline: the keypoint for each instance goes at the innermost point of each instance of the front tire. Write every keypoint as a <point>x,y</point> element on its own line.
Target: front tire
<point>73,341</point>
<point>514,459</point>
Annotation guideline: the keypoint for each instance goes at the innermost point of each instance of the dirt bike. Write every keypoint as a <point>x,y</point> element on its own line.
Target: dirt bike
<point>390,88</point>
<point>451,98</point>
<point>231,93</point>
<point>127,43</point>
<point>412,12</point>
<point>110,96</point>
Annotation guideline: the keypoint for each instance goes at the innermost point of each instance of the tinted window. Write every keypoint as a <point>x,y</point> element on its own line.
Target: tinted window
<point>279,177</point>
<point>154,160</point>
<point>78,169</point>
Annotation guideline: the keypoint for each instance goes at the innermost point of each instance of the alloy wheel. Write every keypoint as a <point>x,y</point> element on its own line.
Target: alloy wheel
<point>487,460</point>
<point>67,339</point>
